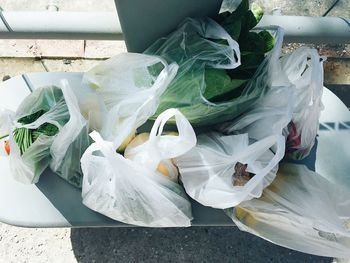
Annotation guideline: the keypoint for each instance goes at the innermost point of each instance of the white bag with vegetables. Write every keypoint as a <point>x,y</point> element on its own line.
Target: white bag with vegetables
<point>223,171</point>
<point>118,87</point>
<point>219,64</point>
<point>46,130</point>
<point>139,190</point>
<point>295,93</point>
<point>304,68</point>
<point>300,210</point>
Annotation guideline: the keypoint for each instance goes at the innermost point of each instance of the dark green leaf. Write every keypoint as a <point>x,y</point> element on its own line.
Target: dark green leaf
<point>223,17</point>
<point>227,18</point>
<point>269,40</point>
<point>251,60</point>
<point>242,8</point>
<point>232,94</point>
<point>241,73</point>
<point>252,42</point>
<point>233,29</point>
<point>48,129</point>
<point>31,118</point>
<point>248,22</point>
<point>218,83</point>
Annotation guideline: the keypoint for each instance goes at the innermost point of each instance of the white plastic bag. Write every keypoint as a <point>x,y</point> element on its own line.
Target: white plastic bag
<point>132,191</point>
<point>6,118</point>
<point>300,210</point>
<point>304,68</point>
<point>270,116</point>
<point>271,113</point>
<point>127,84</point>
<point>28,167</point>
<point>208,170</point>
<point>62,151</point>
<point>292,107</point>
<point>71,141</point>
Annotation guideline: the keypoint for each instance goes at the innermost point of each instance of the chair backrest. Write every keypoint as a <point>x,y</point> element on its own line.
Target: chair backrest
<point>143,22</point>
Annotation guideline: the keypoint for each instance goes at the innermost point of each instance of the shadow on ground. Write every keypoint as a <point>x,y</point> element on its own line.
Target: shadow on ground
<point>196,244</point>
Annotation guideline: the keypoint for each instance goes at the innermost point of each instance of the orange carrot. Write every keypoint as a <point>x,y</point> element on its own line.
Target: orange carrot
<point>7,147</point>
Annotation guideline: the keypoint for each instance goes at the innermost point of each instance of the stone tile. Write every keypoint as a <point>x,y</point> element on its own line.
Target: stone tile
<point>103,49</point>
<point>69,65</point>
<point>27,48</point>
<point>18,48</point>
<point>15,66</point>
<point>337,71</point>
<point>60,48</point>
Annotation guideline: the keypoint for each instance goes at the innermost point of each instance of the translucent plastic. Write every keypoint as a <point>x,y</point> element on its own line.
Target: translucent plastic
<point>28,167</point>
<point>207,171</point>
<point>126,84</point>
<point>132,191</point>
<point>292,104</point>
<point>257,141</point>
<point>71,141</point>
<point>62,152</point>
<point>200,50</point>
<point>300,210</point>
<point>304,68</point>
<point>271,115</point>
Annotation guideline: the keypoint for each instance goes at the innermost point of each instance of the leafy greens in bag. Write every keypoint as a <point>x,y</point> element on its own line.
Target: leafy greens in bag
<point>213,80</point>
<point>47,130</point>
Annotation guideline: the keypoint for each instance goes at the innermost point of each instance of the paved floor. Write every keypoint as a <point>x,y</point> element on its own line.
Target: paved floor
<point>198,244</point>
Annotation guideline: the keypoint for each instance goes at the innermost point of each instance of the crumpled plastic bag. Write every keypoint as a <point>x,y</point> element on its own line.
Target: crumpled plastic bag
<point>71,141</point>
<point>304,68</point>
<point>223,171</point>
<point>61,151</point>
<point>28,167</point>
<point>122,85</point>
<point>132,191</point>
<point>194,47</point>
<point>298,99</point>
<point>219,171</point>
<point>300,210</point>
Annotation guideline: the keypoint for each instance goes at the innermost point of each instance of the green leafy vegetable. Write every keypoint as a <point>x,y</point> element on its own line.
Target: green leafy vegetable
<point>269,40</point>
<point>220,84</point>
<point>25,137</point>
<point>253,45</point>
<point>257,11</point>
<point>204,93</point>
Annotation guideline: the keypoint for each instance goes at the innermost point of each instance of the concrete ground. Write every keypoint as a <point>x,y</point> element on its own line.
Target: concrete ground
<point>198,244</point>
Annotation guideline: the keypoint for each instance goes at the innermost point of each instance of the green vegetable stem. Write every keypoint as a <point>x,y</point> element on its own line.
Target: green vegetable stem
<point>25,137</point>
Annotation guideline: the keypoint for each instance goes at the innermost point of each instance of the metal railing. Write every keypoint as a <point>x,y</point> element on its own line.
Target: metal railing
<point>106,26</point>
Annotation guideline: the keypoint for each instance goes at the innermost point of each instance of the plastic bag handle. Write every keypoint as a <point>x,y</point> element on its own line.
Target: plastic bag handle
<point>105,147</point>
<point>298,60</point>
<point>216,31</point>
<point>71,129</point>
<point>268,142</point>
<point>161,83</point>
<point>185,141</point>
